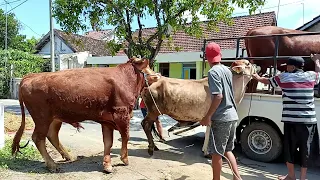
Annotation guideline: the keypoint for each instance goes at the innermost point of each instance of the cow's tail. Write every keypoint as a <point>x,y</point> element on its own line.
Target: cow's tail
<point>16,140</point>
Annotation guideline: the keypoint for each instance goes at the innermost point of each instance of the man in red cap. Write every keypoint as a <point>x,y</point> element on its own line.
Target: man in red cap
<point>222,115</point>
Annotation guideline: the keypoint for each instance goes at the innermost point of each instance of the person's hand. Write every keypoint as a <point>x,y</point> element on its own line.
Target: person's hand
<point>255,76</point>
<point>315,57</point>
<point>206,121</point>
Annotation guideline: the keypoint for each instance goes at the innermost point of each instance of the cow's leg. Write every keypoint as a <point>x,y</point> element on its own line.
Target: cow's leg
<point>107,133</point>
<point>124,131</point>
<point>147,126</point>
<point>39,138</point>
<point>53,136</point>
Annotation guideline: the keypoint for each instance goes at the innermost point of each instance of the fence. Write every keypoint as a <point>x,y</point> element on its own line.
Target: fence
<point>274,57</point>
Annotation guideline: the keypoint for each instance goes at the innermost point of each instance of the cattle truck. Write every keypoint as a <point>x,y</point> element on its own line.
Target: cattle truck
<point>260,130</point>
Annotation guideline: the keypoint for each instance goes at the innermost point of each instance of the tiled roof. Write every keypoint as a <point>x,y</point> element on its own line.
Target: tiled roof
<point>309,24</point>
<point>100,35</point>
<point>241,25</point>
<point>78,43</point>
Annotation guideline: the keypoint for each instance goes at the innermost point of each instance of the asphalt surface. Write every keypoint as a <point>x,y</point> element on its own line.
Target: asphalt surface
<point>189,143</point>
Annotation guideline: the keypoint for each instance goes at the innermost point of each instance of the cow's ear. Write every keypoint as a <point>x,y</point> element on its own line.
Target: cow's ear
<point>258,69</point>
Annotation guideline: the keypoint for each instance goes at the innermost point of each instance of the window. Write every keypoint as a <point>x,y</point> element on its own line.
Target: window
<point>164,69</point>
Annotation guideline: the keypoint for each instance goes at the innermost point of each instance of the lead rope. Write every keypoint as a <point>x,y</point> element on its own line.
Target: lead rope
<point>145,77</point>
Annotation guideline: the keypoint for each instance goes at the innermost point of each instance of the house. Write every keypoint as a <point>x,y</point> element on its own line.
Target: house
<point>106,35</point>
<point>187,63</point>
<point>71,50</point>
<point>312,26</point>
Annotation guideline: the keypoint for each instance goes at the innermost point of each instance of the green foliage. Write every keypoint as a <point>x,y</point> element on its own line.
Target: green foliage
<point>15,40</point>
<point>13,28</point>
<point>23,63</point>
<point>26,45</point>
<point>28,155</point>
<point>73,14</point>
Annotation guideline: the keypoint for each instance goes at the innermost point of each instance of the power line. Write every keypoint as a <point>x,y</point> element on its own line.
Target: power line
<point>9,2</point>
<point>30,28</point>
<point>20,20</point>
<point>18,5</point>
<point>244,12</point>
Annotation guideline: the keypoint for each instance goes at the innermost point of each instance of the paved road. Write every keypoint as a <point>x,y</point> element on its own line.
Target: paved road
<point>180,158</point>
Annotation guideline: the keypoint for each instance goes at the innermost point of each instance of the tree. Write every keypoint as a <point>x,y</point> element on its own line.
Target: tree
<point>15,40</point>
<point>72,16</point>
<point>23,63</point>
<point>13,27</point>
<point>26,45</point>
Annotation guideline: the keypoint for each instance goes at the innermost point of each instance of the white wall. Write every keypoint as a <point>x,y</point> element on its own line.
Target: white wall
<point>74,60</point>
<point>163,57</point>
<point>1,125</point>
<point>60,47</point>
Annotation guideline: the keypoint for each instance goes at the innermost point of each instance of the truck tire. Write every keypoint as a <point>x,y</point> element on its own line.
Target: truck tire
<point>261,142</point>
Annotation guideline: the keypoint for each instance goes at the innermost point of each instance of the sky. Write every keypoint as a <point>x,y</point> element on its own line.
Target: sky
<point>34,14</point>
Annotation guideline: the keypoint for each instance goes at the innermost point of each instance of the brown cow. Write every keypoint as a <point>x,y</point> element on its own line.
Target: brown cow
<point>104,95</point>
<point>288,46</point>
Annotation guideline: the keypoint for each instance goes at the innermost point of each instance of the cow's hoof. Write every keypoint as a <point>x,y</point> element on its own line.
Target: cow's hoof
<point>125,161</point>
<point>52,167</point>
<point>156,148</point>
<point>108,169</point>
<point>150,152</point>
<point>162,141</point>
<point>70,158</point>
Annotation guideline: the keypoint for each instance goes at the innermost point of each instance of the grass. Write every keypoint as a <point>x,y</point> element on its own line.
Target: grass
<point>7,161</point>
<point>12,122</point>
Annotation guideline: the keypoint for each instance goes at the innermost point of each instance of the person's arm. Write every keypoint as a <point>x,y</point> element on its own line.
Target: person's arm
<point>216,100</point>
<point>216,90</point>
<point>273,81</point>
<point>316,59</point>
<point>263,80</point>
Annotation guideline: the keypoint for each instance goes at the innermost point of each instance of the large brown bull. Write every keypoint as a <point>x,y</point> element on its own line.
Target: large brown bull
<point>187,100</point>
<point>288,46</point>
<point>104,95</point>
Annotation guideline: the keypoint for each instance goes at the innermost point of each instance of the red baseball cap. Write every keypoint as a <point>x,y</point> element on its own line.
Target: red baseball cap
<point>213,52</point>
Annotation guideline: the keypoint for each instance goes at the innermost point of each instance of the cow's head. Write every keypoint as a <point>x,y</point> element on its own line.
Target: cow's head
<point>244,67</point>
<point>142,65</point>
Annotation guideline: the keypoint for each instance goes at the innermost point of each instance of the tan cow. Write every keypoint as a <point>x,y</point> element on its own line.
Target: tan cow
<point>104,95</point>
<point>188,100</point>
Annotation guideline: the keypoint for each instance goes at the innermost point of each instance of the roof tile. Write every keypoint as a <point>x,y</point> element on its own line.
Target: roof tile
<point>241,25</point>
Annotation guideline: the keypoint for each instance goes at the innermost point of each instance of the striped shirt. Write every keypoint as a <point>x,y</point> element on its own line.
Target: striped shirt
<point>297,95</point>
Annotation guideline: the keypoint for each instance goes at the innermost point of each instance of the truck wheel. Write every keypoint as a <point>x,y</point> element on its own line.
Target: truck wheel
<point>261,142</point>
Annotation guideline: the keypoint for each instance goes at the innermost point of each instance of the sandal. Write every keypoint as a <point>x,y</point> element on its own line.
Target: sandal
<point>286,177</point>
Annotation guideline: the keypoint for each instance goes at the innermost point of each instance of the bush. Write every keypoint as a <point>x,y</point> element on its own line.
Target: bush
<point>29,155</point>
<point>23,64</point>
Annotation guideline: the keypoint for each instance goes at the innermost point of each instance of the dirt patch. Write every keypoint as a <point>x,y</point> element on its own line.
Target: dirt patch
<point>12,122</point>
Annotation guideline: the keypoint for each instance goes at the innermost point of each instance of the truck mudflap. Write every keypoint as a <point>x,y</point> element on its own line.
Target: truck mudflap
<point>183,127</point>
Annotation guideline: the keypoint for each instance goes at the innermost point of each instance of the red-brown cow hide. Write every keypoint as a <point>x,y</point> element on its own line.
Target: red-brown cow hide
<point>288,46</point>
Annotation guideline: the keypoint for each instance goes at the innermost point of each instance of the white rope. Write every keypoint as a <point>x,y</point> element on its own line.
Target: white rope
<point>145,77</point>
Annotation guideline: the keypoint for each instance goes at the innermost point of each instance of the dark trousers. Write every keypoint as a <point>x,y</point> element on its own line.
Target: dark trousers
<point>298,136</point>
<point>144,112</point>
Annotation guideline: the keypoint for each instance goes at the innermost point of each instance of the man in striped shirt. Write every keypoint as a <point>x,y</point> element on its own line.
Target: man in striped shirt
<point>298,114</point>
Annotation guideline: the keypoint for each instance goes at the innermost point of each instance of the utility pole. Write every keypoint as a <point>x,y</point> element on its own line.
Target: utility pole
<point>51,38</point>
<point>6,38</point>
<point>278,12</point>
<point>302,13</point>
